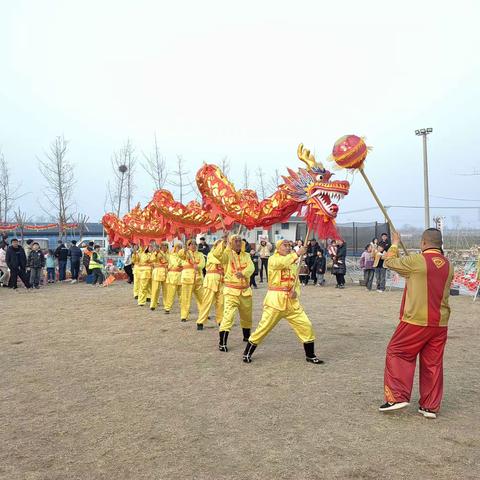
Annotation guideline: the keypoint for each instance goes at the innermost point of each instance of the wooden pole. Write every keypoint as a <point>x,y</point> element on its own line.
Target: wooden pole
<point>382,208</point>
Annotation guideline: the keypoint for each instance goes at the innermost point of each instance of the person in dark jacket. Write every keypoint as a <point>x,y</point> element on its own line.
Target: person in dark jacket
<point>204,249</point>
<point>75,255</point>
<point>61,254</point>
<point>17,263</point>
<point>36,262</point>
<point>339,264</point>
<point>320,266</point>
<point>385,242</point>
<point>312,249</point>
<point>254,257</point>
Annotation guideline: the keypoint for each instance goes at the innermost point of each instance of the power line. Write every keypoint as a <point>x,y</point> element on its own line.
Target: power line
<point>458,199</point>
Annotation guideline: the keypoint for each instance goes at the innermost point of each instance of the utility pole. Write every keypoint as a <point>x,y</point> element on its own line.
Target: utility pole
<point>424,132</point>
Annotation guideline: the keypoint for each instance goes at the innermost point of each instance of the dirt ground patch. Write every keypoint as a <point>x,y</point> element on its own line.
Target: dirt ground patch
<point>94,387</point>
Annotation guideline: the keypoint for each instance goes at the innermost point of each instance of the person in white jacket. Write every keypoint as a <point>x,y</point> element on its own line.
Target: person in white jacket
<point>264,251</point>
<point>4,271</point>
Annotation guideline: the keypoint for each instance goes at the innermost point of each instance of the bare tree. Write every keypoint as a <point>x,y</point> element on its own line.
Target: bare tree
<point>21,219</point>
<point>246,176</point>
<point>274,182</point>
<point>261,182</point>
<point>123,165</point>
<point>81,221</point>
<point>8,191</point>
<point>155,166</point>
<point>181,179</point>
<point>225,165</point>
<point>59,175</point>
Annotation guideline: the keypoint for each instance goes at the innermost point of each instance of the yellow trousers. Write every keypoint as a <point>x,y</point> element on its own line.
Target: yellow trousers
<point>156,287</point>
<point>186,298</point>
<point>295,316</point>
<point>144,290</point>
<point>209,298</point>
<point>171,291</point>
<point>136,283</point>
<point>232,303</point>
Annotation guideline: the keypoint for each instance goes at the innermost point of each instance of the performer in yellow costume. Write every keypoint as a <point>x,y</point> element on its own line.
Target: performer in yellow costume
<point>282,301</point>
<point>212,290</point>
<point>144,273</point>
<point>237,294</point>
<point>193,263</point>
<point>159,275</point>
<point>173,282</point>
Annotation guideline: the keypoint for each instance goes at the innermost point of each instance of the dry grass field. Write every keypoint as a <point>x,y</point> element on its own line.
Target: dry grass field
<point>95,387</point>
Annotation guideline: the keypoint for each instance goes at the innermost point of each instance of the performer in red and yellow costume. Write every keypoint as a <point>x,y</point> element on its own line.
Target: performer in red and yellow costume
<point>237,294</point>
<point>193,263</point>
<point>143,273</point>
<point>159,275</point>
<point>212,290</point>
<point>422,331</point>
<point>174,277</point>
<point>282,301</point>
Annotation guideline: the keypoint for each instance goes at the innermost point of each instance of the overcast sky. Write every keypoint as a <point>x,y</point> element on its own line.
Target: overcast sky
<point>248,80</point>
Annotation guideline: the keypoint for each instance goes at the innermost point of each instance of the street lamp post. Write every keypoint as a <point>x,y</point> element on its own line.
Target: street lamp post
<point>424,132</point>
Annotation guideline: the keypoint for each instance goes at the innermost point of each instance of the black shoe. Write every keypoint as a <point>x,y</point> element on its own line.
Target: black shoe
<point>310,353</point>
<point>136,298</point>
<point>247,354</point>
<point>183,320</point>
<point>246,334</point>
<point>199,326</point>
<point>389,406</point>
<point>148,299</point>
<point>167,312</point>
<point>152,308</point>
<point>222,344</point>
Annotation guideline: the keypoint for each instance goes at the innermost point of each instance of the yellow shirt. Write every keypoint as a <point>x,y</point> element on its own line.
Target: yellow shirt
<point>160,266</point>
<point>233,263</point>
<point>428,277</point>
<point>144,265</point>
<point>282,270</point>
<point>174,275</point>
<point>214,277</point>
<point>192,266</point>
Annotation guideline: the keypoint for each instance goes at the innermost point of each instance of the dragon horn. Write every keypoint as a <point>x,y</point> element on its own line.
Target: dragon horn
<point>306,157</point>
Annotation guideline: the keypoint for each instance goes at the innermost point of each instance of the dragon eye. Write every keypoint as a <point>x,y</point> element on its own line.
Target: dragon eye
<point>319,177</point>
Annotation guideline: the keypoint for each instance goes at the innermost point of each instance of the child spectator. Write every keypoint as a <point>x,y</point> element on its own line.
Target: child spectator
<point>380,271</point>
<point>50,264</point>
<point>366,263</point>
<point>320,266</point>
<point>304,273</point>
<point>36,262</point>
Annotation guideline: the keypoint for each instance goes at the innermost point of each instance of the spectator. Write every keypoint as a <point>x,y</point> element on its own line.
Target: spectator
<point>28,248</point>
<point>304,273</point>
<point>36,262</point>
<point>298,246</point>
<point>50,264</point>
<point>320,266</point>
<point>366,264</point>
<point>204,249</point>
<point>248,247</point>
<point>127,263</point>
<point>75,255</point>
<point>374,244</point>
<point>87,255</point>
<point>339,263</point>
<point>254,257</point>
<point>380,270</point>
<point>61,254</point>
<point>385,242</point>
<point>312,250</point>
<point>96,265</point>
<point>17,263</point>
<point>264,251</point>
<point>4,272</point>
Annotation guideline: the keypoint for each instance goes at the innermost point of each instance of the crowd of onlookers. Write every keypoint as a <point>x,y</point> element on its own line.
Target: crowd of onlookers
<point>371,262</point>
<point>36,267</point>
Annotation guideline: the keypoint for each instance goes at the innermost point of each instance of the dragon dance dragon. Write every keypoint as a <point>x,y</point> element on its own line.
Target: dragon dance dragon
<point>310,192</point>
